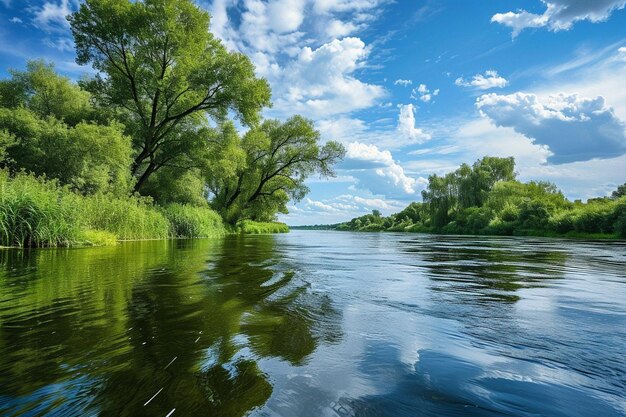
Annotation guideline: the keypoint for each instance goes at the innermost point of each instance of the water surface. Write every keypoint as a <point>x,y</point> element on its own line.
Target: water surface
<point>316,324</point>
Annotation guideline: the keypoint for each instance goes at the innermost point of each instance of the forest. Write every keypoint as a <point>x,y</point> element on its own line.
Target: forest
<point>150,146</point>
<point>487,199</point>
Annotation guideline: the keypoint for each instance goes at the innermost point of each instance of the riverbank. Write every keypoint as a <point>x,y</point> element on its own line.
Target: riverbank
<point>35,212</point>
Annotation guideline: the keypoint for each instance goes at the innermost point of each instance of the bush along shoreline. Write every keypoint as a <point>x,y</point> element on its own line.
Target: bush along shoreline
<point>36,212</point>
<point>486,199</point>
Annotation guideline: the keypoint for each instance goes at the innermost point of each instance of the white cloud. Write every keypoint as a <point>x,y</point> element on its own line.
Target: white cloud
<point>339,208</point>
<point>376,171</point>
<point>369,202</point>
<point>559,14</point>
<point>423,93</point>
<point>621,53</point>
<point>383,132</point>
<point>62,44</point>
<point>376,203</point>
<point>320,82</point>
<point>285,15</point>
<point>322,206</point>
<point>295,45</point>
<point>402,82</point>
<point>337,28</point>
<point>16,20</point>
<point>490,80</point>
<point>52,16</point>
<point>406,125</point>
<point>575,128</point>
<point>329,6</point>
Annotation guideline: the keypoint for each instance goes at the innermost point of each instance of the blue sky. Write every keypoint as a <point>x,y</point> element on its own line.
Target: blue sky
<point>415,87</point>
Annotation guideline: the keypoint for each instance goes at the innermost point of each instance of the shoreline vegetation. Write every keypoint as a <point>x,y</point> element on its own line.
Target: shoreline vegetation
<point>165,138</point>
<point>487,199</point>
<point>35,212</point>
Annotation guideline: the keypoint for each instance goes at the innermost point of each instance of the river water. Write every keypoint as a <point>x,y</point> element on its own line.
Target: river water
<point>316,324</point>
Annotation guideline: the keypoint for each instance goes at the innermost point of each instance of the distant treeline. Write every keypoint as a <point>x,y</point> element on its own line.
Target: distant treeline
<point>316,227</point>
<point>486,199</point>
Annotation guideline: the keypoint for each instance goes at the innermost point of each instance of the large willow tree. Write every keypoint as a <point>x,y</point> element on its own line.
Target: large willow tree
<point>164,74</point>
<point>255,176</point>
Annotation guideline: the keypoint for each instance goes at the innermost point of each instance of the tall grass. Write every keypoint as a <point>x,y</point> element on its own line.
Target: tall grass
<point>128,219</point>
<point>190,221</point>
<point>35,212</point>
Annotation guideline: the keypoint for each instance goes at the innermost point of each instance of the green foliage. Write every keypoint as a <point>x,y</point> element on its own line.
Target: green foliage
<point>47,94</point>
<point>144,125</point>
<point>485,199</point>
<point>175,185</point>
<point>620,214</point>
<point>256,228</point>
<point>97,238</point>
<point>89,158</point>
<point>620,192</point>
<point>164,72</point>
<point>466,187</point>
<point>188,221</point>
<point>128,219</point>
<point>254,177</point>
<point>34,212</point>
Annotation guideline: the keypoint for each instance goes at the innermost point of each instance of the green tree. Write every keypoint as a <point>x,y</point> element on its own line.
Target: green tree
<point>620,192</point>
<point>90,158</point>
<point>164,72</point>
<point>175,185</point>
<point>46,93</point>
<point>268,167</point>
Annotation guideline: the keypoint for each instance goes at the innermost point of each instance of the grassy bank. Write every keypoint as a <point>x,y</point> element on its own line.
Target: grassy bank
<point>36,212</point>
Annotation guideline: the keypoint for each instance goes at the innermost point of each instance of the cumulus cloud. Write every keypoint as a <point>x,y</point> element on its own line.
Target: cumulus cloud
<point>407,127</point>
<point>559,14</point>
<point>16,20</point>
<point>375,170</point>
<point>301,48</point>
<point>489,80</point>
<point>321,82</point>
<point>402,82</point>
<point>574,128</point>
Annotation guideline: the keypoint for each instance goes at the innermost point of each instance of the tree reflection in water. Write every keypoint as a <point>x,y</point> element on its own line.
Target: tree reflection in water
<point>101,331</point>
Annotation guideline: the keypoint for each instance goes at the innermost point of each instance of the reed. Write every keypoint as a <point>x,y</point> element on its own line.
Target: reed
<point>36,212</point>
<point>189,221</point>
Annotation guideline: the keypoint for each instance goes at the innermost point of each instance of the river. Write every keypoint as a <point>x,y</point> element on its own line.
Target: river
<point>316,323</point>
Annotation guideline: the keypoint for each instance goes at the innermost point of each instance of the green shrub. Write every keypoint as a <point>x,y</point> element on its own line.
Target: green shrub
<point>97,238</point>
<point>620,215</point>
<point>190,221</point>
<point>255,228</point>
